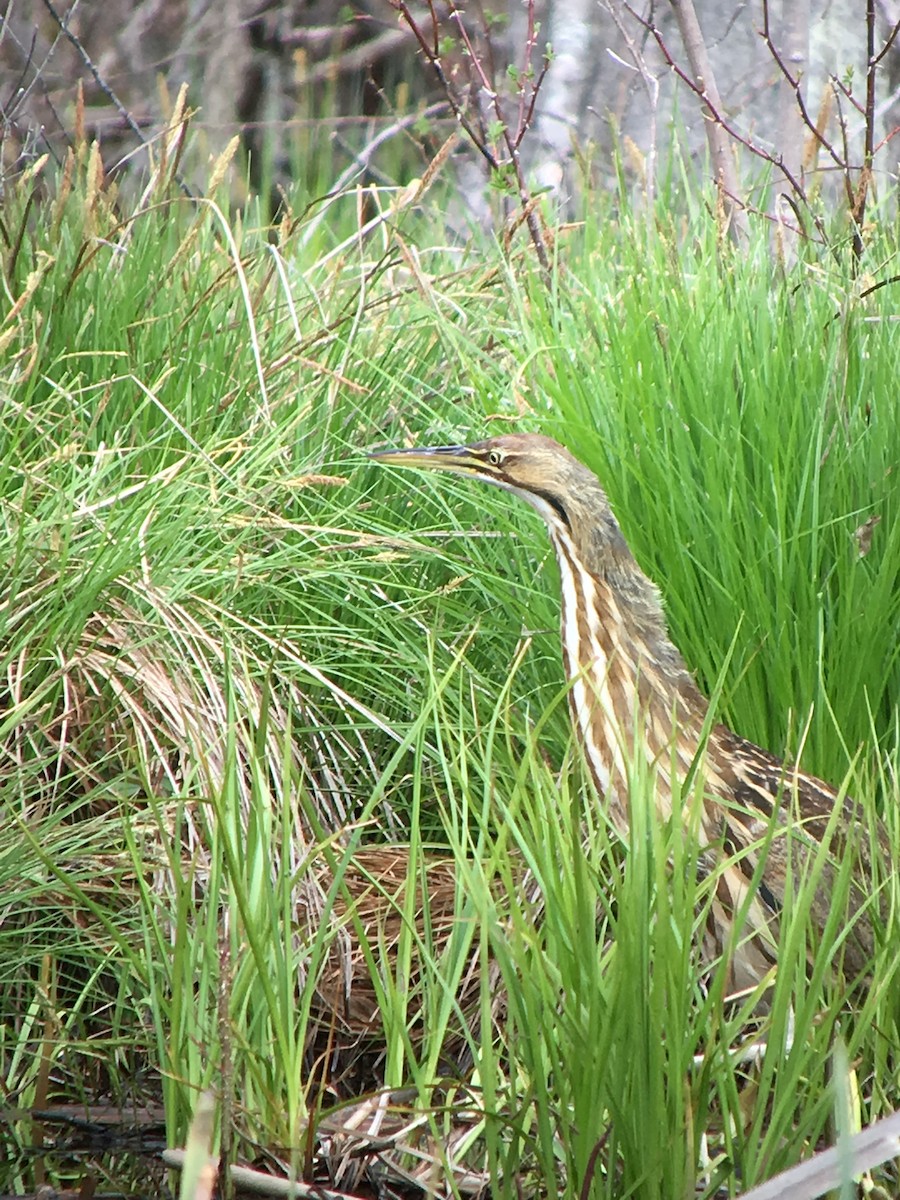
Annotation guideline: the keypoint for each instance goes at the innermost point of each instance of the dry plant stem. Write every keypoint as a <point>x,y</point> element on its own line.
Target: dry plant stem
<point>859,206</point>
<point>262,1184</point>
<point>226,1094</point>
<point>719,148</point>
<point>829,1169</point>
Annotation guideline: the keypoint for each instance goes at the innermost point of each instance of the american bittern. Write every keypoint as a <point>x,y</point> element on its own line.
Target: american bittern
<point>630,693</point>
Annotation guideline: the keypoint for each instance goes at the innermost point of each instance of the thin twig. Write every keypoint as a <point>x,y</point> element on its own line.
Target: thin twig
<point>434,60</point>
<point>21,91</point>
<point>512,145</point>
<point>888,43</point>
<point>530,45</point>
<point>847,93</point>
<point>856,195</point>
<point>718,117</point>
<point>794,84</point>
<point>862,192</point>
<point>845,143</point>
<point>481,73</point>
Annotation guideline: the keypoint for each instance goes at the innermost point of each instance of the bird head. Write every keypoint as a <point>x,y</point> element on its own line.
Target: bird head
<point>577,512</point>
<point>536,468</point>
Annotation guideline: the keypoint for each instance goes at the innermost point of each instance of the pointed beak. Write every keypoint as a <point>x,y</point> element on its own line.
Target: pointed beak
<point>441,458</point>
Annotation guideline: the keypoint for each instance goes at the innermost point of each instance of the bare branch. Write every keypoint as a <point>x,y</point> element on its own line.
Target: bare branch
<point>847,93</point>
<point>810,124</point>
<point>354,59</point>
<point>888,43</point>
<point>845,143</point>
<point>718,117</point>
<point>702,83</point>
<point>481,68</point>
<point>431,52</point>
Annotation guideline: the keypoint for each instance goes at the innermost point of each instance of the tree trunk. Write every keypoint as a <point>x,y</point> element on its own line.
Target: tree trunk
<point>720,147</point>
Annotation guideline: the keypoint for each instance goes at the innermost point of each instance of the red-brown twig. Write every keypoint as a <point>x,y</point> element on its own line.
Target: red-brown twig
<point>481,74</point>
<point>716,115</point>
<point>431,51</point>
<point>856,178</point>
<point>794,84</point>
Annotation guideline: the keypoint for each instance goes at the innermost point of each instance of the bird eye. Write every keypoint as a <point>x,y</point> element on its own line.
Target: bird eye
<point>495,458</point>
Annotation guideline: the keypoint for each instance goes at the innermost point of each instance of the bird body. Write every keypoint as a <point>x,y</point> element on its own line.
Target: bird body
<point>631,696</point>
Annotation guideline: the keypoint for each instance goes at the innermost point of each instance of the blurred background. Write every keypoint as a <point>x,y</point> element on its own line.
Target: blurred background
<point>307,83</point>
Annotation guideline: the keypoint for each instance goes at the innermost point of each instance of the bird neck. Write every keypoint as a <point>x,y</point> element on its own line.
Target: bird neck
<point>630,691</point>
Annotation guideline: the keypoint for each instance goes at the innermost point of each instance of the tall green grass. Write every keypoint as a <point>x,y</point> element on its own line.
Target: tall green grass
<point>233,651</point>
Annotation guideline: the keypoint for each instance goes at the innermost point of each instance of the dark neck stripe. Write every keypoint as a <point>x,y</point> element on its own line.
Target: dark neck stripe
<point>557,505</point>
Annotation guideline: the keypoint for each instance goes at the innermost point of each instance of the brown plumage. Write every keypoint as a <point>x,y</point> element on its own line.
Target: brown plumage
<point>631,696</point>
